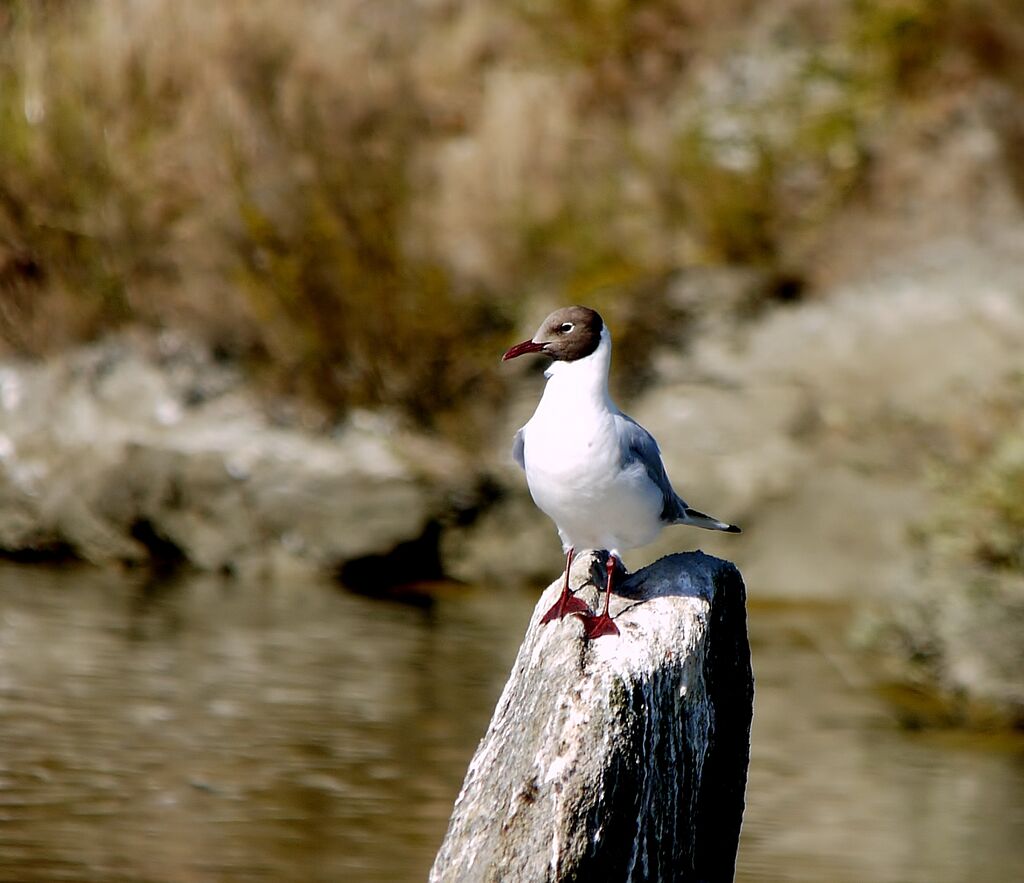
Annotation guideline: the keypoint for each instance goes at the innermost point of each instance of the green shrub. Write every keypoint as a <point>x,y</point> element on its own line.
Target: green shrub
<point>983,522</point>
<point>957,638</point>
<point>925,45</point>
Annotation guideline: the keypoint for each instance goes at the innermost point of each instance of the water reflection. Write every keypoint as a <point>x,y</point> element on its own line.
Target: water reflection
<point>209,730</point>
<point>838,792</point>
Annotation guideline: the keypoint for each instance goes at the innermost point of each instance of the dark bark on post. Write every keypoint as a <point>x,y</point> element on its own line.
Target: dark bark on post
<point>623,758</point>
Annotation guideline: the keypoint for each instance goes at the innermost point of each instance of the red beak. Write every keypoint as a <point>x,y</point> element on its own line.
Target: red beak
<point>527,346</point>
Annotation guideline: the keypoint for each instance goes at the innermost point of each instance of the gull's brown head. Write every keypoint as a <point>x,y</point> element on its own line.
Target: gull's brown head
<point>568,334</point>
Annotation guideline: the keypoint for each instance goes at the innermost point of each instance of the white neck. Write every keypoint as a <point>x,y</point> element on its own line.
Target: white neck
<point>583,382</point>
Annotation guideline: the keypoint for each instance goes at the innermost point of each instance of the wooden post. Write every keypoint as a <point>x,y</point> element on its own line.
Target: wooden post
<point>623,758</point>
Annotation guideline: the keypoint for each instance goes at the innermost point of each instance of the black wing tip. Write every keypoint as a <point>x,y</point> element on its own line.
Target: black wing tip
<point>715,523</point>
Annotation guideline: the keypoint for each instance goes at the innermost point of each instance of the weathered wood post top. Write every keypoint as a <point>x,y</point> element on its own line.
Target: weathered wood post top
<point>621,758</point>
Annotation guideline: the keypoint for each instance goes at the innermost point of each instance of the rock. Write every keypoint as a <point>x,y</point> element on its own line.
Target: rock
<point>135,449</point>
<point>622,758</point>
<point>477,552</point>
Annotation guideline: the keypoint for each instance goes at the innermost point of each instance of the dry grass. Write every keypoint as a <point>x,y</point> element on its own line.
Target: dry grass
<point>359,199</point>
<point>244,171</point>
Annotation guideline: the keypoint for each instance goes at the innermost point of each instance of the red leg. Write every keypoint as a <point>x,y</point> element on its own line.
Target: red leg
<point>595,626</point>
<point>567,602</point>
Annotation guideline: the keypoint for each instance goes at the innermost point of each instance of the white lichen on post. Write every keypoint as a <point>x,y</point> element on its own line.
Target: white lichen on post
<point>621,758</point>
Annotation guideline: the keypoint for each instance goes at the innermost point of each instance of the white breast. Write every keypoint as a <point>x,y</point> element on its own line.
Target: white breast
<point>574,466</point>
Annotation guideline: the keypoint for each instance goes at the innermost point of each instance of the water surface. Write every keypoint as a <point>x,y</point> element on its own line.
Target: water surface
<point>207,729</point>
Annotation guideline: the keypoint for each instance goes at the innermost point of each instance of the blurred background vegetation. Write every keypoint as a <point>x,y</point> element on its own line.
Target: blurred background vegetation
<point>325,188</point>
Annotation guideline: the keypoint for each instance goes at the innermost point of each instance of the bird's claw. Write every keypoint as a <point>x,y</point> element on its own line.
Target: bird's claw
<point>596,626</point>
<point>567,604</point>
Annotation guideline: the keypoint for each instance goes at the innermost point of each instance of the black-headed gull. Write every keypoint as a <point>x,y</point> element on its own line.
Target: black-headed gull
<point>595,472</point>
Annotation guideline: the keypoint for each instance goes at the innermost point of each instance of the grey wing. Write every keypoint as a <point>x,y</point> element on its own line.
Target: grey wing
<point>519,449</point>
<point>639,446</point>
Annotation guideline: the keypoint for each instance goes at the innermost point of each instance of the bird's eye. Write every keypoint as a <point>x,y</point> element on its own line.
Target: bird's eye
<point>565,327</point>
